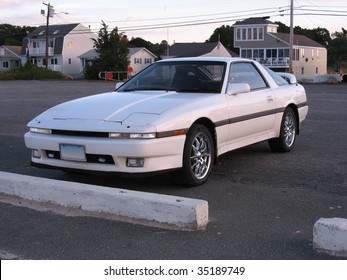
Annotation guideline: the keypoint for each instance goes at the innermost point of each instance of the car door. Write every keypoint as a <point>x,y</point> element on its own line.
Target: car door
<point>251,114</point>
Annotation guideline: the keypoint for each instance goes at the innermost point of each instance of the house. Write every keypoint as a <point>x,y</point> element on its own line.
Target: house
<point>139,58</point>
<point>214,49</point>
<point>9,57</point>
<point>258,39</point>
<point>65,43</point>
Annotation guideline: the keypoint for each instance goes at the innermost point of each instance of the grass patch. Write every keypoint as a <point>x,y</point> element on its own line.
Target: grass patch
<point>32,72</point>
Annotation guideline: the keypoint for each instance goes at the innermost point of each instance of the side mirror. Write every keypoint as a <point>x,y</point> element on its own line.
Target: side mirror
<point>238,88</point>
<point>290,78</point>
<point>118,85</point>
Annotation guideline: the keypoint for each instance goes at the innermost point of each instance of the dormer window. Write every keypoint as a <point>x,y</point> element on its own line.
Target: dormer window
<point>250,33</point>
<point>56,32</point>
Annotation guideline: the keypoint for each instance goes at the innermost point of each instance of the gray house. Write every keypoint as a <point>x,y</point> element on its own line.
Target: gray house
<point>9,57</point>
<point>258,39</point>
<point>199,49</point>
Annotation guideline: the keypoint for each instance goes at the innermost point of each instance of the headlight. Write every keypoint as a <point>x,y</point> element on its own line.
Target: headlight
<point>41,130</point>
<point>132,135</point>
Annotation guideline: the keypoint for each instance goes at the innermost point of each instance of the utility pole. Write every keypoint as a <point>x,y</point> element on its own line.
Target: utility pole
<point>50,13</point>
<point>291,37</point>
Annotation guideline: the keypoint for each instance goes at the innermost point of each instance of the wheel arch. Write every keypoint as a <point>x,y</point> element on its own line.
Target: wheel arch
<point>296,112</point>
<point>212,128</point>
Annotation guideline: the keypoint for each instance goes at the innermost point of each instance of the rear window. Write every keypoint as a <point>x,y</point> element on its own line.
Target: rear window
<point>276,77</point>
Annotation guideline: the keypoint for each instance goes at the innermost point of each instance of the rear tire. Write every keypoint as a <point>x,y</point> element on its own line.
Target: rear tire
<point>285,142</point>
<point>198,156</point>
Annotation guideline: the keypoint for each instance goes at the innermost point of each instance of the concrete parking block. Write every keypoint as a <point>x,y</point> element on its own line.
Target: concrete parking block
<point>125,205</point>
<point>330,236</point>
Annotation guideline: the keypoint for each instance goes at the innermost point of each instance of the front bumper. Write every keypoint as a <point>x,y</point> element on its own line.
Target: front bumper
<point>158,154</point>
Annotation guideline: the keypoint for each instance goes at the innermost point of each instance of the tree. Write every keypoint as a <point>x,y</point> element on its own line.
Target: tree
<point>224,34</point>
<point>282,27</point>
<point>13,35</point>
<point>157,49</point>
<point>112,52</point>
<point>338,50</point>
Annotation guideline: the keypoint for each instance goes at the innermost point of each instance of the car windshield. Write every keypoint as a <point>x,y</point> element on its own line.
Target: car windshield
<point>180,76</point>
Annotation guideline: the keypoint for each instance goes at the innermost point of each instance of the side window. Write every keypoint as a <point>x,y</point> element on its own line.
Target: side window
<point>245,72</point>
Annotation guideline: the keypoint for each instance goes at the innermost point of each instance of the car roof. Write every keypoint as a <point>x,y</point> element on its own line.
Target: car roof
<point>201,58</point>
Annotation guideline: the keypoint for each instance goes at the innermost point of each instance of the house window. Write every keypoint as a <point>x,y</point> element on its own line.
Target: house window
<point>302,70</point>
<point>54,61</point>
<point>69,61</point>
<point>238,34</point>
<point>137,60</point>
<point>272,55</point>
<point>5,65</point>
<point>255,33</point>
<point>296,54</point>
<point>302,52</point>
<point>246,53</point>
<point>249,34</point>
<point>244,34</point>
<point>148,60</point>
<point>255,53</point>
<point>261,33</point>
<point>317,70</point>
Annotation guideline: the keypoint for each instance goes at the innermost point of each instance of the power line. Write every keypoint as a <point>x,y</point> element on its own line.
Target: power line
<point>213,18</point>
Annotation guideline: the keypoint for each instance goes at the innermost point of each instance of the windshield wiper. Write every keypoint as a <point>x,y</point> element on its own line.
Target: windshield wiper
<point>202,90</point>
<point>145,88</point>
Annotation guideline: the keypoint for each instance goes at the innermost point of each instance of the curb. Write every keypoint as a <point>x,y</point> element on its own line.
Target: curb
<point>123,205</point>
<point>330,236</point>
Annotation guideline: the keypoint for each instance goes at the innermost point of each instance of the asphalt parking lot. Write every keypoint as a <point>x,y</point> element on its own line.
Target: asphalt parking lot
<point>261,205</point>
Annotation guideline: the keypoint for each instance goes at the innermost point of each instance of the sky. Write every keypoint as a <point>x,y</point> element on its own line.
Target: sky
<point>176,20</point>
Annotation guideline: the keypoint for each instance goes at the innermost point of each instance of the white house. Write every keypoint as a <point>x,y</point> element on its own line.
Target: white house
<point>258,39</point>
<point>65,43</point>
<point>139,58</point>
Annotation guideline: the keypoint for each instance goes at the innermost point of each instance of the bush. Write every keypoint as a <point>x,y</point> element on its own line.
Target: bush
<point>91,72</point>
<point>31,72</point>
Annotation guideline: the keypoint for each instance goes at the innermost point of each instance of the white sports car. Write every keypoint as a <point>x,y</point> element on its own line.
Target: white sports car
<point>177,114</point>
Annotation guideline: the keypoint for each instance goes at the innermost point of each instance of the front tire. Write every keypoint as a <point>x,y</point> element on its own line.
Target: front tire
<point>285,142</point>
<point>198,156</point>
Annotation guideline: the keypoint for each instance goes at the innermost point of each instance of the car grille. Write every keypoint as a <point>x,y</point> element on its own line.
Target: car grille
<point>80,133</point>
<point>91,158</point>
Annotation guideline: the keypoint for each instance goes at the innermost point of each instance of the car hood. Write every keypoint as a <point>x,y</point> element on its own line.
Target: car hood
<point>121,107</point>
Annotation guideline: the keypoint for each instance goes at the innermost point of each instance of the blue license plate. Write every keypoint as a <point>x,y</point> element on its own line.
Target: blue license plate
<point>72,152</point>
